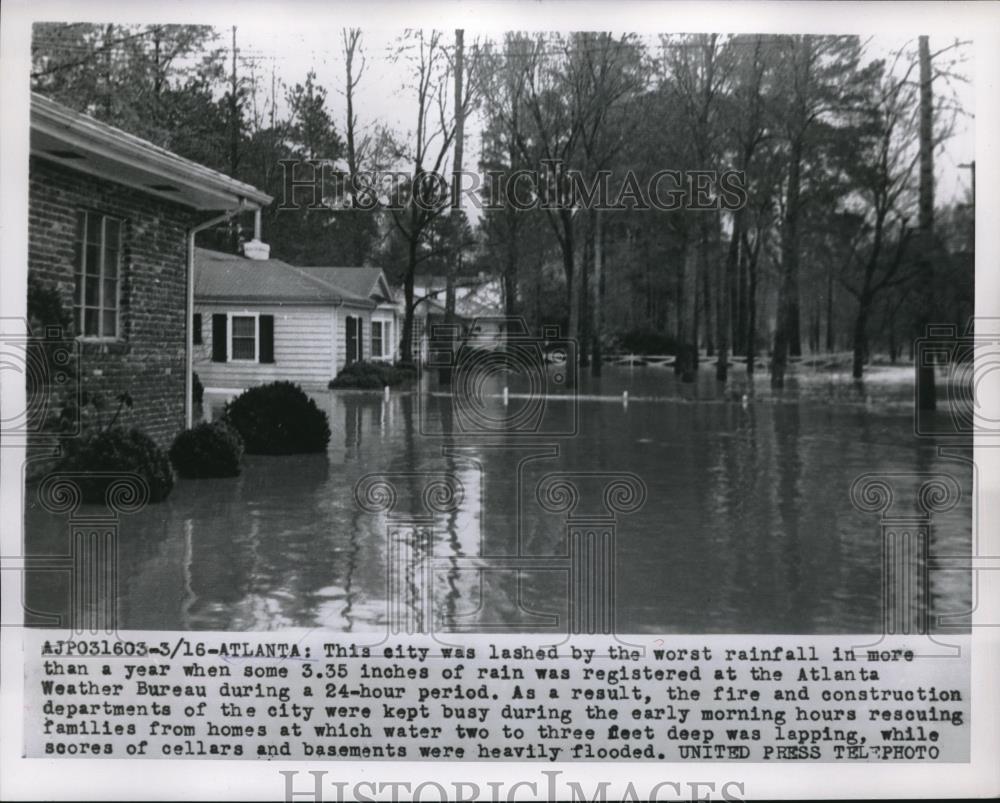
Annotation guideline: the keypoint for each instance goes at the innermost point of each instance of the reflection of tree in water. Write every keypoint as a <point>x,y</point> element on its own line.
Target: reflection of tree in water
<point>258,560</point>
<point>788,463</point>
<point>142,540</point>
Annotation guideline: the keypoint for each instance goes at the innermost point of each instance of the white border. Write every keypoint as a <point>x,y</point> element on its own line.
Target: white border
<point>129,780</point>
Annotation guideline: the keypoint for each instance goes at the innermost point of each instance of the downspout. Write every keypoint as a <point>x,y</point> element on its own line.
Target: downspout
<point>189,325</point>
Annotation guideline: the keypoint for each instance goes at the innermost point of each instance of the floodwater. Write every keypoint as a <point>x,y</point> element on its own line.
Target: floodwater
<point>725,514</point>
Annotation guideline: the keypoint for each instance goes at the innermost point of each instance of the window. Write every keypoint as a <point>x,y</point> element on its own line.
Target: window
<point>98,275</point>
<point>243,338</point>
<point>354,332</point>
<point>377,339</point>
<point>196,326</point>
<point>246,337</point>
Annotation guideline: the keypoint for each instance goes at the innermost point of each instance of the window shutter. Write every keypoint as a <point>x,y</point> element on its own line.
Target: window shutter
<point>219,338</point>
<point>196,327</point>
<point>361,339</point>
<point>267,338</point>
<point>351,339</point>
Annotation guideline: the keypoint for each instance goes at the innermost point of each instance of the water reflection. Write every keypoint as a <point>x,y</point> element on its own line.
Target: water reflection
<point>748,525</point>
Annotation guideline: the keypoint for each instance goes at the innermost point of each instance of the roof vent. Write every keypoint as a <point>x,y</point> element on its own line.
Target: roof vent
<point>255,249</point>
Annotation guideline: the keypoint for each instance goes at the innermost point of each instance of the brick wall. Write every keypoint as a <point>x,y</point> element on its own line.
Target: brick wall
<point>148,359</point>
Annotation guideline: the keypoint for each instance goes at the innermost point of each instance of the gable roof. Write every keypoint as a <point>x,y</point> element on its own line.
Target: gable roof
<point>229,277</point>
<point>365,282</point>
<point>79,142</point>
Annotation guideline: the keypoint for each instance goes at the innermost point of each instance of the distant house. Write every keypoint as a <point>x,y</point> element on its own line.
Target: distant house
<point>259,320</point>
<point>111,229</point>
<point>479,312</point>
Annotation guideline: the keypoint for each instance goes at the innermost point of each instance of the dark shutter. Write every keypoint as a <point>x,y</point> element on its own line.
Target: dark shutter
<point>196,329</point>
<point>219,338</point>
<point>361,339</point>
<point>351,336</point>
<point>267,338</point>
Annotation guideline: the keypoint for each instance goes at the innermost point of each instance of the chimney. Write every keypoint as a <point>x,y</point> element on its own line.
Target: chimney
<point>255,248</point>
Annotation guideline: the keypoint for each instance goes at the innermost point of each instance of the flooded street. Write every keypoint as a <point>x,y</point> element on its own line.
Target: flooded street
<point>747,524</point>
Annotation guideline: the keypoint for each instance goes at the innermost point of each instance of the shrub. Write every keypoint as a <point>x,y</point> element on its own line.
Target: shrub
<point>118,450</point>
<point>372,375</point>
<point>278,418</point>
<point>207,450</point>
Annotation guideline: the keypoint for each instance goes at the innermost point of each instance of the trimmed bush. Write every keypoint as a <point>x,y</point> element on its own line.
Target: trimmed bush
<point>278,418</point>
<point>118,450</point>
<point>372,376</point>
<point>207,450</point>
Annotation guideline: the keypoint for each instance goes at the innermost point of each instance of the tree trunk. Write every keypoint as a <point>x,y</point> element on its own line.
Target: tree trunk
<point>687,348</point>
<point>860,344</point>
<point>742,290</point>
<point>234,140</point>
<point>573,288</point>
<point>704,268</point>
<point>751,332</point>
<point>583,296</point>
<point>510,278</point>
<point>926,391</point>
<point>598,282</point>
<point>406,345</point>
<point>787,313</point>
<point>829,309</point>
<point>455,257</point>
<point>726,288</point>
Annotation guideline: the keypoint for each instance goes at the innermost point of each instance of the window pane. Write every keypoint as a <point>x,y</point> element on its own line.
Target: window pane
<point>111,229</point>
<point>93,258</point>
<point>111,262</point>
<point>110,323</point>
<point>90,322</point>
<point>110,294</point>
<point>244,327</point>
<point>93,287</point>
<point>243,348</point>
<point>93,229</point>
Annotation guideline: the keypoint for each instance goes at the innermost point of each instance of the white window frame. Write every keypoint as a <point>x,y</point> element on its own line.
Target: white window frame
<point>82,323</point>
<point>256,336</point>
<point>371,325</point>
<point>386,324</point>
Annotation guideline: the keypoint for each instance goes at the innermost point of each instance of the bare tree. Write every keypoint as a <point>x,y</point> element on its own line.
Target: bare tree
<point>425,151</point>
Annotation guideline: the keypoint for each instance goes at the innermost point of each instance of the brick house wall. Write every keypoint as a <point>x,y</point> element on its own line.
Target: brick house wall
<point>147,359</point>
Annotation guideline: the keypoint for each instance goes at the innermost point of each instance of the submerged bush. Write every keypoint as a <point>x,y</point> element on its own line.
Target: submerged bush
<point>278,418</point>
<point>372,375</point>
<point>207,450</point>
<point>118,451</point>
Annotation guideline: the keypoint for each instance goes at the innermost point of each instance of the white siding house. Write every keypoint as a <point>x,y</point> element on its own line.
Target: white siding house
<point>261,320</point>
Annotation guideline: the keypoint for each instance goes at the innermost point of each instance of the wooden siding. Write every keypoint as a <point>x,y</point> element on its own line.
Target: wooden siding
<point>303,347</point>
